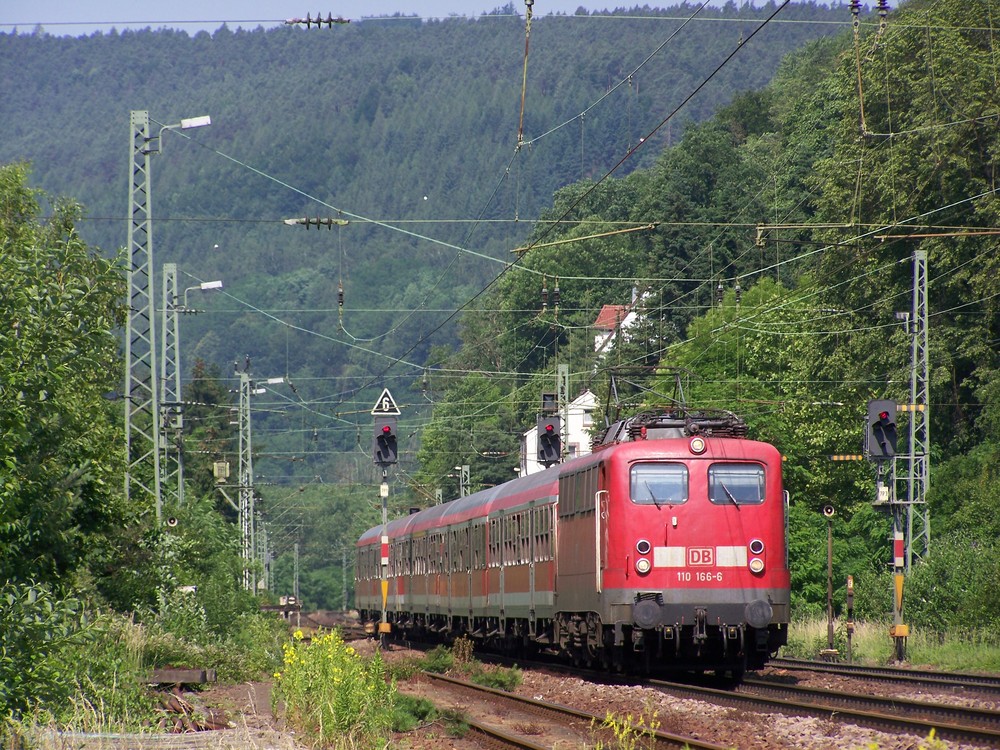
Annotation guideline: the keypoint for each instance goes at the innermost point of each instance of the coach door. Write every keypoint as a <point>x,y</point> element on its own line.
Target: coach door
<point>581,541</point>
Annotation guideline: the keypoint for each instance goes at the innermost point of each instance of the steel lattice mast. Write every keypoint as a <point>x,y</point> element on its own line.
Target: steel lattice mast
<point>172,410</point>
<point>918,521</point>
<point>142,423</point>
<point>247,509</point>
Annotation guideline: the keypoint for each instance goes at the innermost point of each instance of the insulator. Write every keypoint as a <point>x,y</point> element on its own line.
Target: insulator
<point>340,295</point>
<point>545,295</point>
<point>739,293</point>
<point>555,297</point>
<point>719,292</point>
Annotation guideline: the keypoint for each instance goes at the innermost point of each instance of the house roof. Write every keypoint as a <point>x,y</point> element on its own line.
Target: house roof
<point>610,317</point>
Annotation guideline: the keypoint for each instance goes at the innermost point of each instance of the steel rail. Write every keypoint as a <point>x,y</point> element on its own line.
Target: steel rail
<point>565,713</point>
<point>928,677</point>
<point>989,718</point>
<point>871,719</point>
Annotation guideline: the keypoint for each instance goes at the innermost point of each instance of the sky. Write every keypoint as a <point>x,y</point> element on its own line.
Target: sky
<point>83,17</point>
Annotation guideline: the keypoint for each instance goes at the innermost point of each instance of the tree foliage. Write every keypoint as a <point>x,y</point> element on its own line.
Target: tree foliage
<point>60,450</point>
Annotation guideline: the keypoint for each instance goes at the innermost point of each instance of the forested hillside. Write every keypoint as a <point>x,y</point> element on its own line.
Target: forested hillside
<point>779,281</point>
<point>766,216</point>
<point>409,130</point>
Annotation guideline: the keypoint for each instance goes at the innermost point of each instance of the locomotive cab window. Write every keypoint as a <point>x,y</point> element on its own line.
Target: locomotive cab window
<point>659,484</point>
<point>736,484</point>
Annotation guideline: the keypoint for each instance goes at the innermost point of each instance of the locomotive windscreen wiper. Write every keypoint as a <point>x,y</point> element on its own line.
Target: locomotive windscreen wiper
<point>652,494</point>
<point>729,494</point>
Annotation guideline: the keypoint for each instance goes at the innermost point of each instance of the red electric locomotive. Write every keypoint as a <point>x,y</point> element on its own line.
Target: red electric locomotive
<point>665,548</point>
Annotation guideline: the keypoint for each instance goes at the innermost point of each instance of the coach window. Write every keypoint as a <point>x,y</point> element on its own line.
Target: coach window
<point>736,484</point>
<point>659,484</point>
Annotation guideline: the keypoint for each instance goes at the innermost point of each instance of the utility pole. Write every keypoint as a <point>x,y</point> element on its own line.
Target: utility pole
<point>918,520</point>
<point>142,412</point>
<point>172,411</point>
<point>562,398</point>
<point>295,573</point>
<point>263,556</point>
<point>246,504</point>
<point>142,428</point>
<point>171,403</point>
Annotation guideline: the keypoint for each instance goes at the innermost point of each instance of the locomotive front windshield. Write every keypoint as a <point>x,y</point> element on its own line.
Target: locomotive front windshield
<point>736,484</point>
<point>659,484</point>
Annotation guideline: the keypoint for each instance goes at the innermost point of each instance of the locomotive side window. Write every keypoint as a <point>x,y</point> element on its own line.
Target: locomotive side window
<point>736,484</point>
<point>659,484</point>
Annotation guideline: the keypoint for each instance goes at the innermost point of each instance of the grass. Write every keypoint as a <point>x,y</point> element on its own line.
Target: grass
<point>872,644</point>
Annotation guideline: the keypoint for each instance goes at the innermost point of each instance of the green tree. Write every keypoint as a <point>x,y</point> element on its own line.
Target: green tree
<point>60,448</point>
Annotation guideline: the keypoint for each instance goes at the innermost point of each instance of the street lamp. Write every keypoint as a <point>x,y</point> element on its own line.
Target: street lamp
<point>203,286</point>
<point>185,124</point>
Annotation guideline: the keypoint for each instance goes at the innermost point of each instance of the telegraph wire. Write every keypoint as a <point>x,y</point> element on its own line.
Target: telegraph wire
<point>587,192</point>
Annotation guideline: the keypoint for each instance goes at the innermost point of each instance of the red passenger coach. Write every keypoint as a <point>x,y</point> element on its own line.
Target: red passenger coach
<point>663,549</point>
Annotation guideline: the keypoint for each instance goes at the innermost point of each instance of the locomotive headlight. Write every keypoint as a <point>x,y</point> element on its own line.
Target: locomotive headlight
<point>643,547</point>
<point>756,565</point>
<point>643,566</point>
<point>697,445</point>
<point>756,546</point>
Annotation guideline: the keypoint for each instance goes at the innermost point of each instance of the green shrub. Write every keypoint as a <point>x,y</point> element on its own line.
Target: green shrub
<point>410,712</point>
<point>35,629</point>
<point>498,678</point>
<point>439,660</point>
<point>334,696</point>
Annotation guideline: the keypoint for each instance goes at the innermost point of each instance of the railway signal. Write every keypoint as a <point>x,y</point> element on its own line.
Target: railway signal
<point>549,440</point>
<point>384,449</point>
<point>881,435</point>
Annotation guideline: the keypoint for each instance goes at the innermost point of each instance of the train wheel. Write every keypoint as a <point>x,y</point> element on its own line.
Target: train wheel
<point>733,676</point>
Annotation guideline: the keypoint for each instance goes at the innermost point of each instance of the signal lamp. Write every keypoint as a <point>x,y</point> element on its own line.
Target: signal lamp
<point>643,566</point>
<point>549,440</point>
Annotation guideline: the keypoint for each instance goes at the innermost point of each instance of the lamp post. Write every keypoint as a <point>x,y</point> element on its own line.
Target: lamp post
<point>142,412</point>
<point>171,401</point>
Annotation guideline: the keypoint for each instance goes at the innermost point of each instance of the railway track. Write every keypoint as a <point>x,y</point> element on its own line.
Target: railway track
<point>575,720</point>
<point>985,683</point>
<point>934,712</point>
<point>885,714</point>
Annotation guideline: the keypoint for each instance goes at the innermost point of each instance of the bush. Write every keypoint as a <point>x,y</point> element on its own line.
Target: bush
<point>35,629</point>
<point>499,678</point>
<point>439,660</point>
<point>334,696</point>
<point>409,713</point>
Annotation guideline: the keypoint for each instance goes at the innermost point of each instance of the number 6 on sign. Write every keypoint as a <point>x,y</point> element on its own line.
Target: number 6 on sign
<point>385,405</point>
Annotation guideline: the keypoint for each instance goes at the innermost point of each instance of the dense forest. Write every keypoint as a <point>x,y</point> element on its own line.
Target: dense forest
<point>413,133</point>
<point>779,283</point>
<point>762,207</point>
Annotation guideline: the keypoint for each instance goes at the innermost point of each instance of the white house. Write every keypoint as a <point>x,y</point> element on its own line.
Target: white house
<point>613,319</point>
<point>576,432</point>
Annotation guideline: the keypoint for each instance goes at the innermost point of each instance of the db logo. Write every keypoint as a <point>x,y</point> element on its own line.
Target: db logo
<point>701,556</point>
